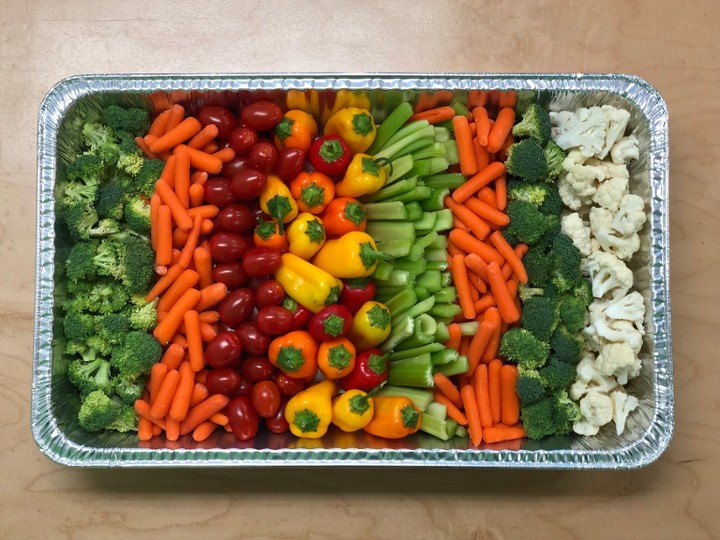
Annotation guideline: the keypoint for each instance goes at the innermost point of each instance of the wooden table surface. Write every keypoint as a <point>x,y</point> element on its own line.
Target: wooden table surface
<point>674,45</point>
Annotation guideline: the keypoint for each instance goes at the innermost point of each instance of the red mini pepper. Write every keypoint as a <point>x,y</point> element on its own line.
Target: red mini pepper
<point>330,322</point>
<point>356,292</point>
<point>371,369</point>
<point>344,215</point>
<point>301,314</point>
<point>330,155</point>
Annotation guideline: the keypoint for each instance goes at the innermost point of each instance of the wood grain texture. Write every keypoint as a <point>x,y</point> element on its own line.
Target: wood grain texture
<point>674,45</point>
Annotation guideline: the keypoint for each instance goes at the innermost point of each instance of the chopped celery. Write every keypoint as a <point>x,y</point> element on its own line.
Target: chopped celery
<point>383,231</point>
<point>390,126</point>
<point>426,221</point>
<point>419,193</point>
<point>400,167</point>
<point>444,221</point>
<point>445,180</point>
<point>402,301</point>
<point>414,211</point>
<point>445,310</point>
<point>436,254</point>
<point>383,270</point>
<point>460,109</point>
<point>437,410</point>
<point>430,280</point>
<point>451,152</point>
<point>424,328</point>
<point>461,431</point>
<point>397,188</point>
<point>454,367</point>
<point>444,356</point>
<point>417,146</point>
<point>385,293</point>
<point>409,353</point>
<point>399,333</point>
<point>436,265</point>
<point>421,398</point>
<point>415,267</point>
<point>397,248</point>
<point>469,328</point>
<point>434,426</point>
<point>386,210</point>
<point>441,134</point>
<point>416,252</point>
<point>426,240</point>
<point>436,201</point>
<point>435,150</point>
<point>442,334</point>
<point>451,427</point>
<point>446,278</point>
<point>447,124</point>
<point>392,150</point>
<point>403,132</point>
<point>430,166</point>
<point>416,310</point>
<point>397,278</point>
<point>446,295</point>
<point>422,293</point>
<point>416,372</point>
<point>440,243</point>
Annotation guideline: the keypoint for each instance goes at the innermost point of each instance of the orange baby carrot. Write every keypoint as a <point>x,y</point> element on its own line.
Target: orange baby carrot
<point>211,295</point>
<point>163,283</point>
<point>499,131</point>
<point>207,211</point>
<point>507,98</point>
<point>185,281</point>
<point>166,329</point>
<point>478,284</point>
<point>476,98</point>
<point>168,173</point>
<point>448,389</point>
<point>181,400</point>
<point>453,250</point>
<point>502,433</point>
<point>142,408</point>
<point>185,130</point>
<point>455,333</point>
<point>157,375</point>
<point>452,411</point>
<point>473,414</point>
<point>155,203</point>
<point>466,152</point>
<point>207,332</point>
<point>210,148</point>
<point>225,155</point>
<point>182,178</point>
<point>474,184</point>
<point>173,357</point>
<point>179,339</point>
<point>163,254</point>
<point>202,160</point>
<point>474,223</point>
<point>458,224</point>
<point>179,212</point>
<point>434,116</point>
<point>502,153</point>
<point>487,195</point>
<point>486,302</point>
<point>482,395</point>
<point>157,128</point>
<point>494,389</point>
<point>209,317</point>
<point>203,431</point>
<point>199,393</point>
<point>203,266</point>
<point>145,431</point>
<point>165,394</point>
<point>470,244</point>
<point>507,251</point>
<point>172,429</point>
<point>177,113</point>
<point>197,194</point>
<point>464,345</point>
<point>487,212</point>
<point>206,135</point>
<point>202,412</point>
<point>187,252</point>
<point>219,419</point>
<point>460,277</point>
<point>501,192</point>
<point>506,305</point>
<point>481,154</point>
<point>199,177</point>
<point>192,334</point>
<point>476,263</point>
<point>142,145</point>
<point>488,326</point>
<point>509,398</point>
<point>482,121</point>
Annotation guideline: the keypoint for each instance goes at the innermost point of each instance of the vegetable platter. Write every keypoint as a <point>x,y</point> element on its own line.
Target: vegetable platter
<point>445,270</point>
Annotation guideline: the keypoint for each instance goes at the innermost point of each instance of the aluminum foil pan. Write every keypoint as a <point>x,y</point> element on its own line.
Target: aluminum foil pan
<point>54,402</point>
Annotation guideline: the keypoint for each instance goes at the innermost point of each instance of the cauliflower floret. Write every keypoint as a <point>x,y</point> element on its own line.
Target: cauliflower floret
<point>610,169</point>
<point>609,275</point>
<point>609,238</point>
<point>572,225</point>
<point>583,427</point>
<point>589,379</point>
<point>625,150</point>
<point>610,193</point>
<point>623,405</point>
<point>618,360</point>
<point>602,331</point>
<point>578,183</point>
<point>630,307</point>
<point>630,216</point>
<point>617,123</point>
<point>592,130</point>
<point>596,408</point>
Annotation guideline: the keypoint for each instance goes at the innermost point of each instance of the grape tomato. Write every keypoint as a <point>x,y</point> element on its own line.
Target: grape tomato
<point>290,163</point>
<point>217,192</point>
<point>257,368</point>
<point>261,115</point>
<point>236,218</point>
<point>231,168</point>
<point>248,184</point>
<point>223,118</point>
<point>275,320</point>
<point>253,341</point>
<point>243,419</point>
<point>231,274</point>
<point>228,246</point>
<point>237,307</point>
<point>224,350</point>
<point>223,381</point>
<point>265,398</point>
<point>264,155</point>
<point>261,261</point>
<point>269,293</point>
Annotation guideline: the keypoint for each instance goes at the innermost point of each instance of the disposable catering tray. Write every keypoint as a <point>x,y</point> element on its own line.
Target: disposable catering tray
<point>55,403</point>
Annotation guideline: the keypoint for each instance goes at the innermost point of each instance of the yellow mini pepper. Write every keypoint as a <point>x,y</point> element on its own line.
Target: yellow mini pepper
<point>371,325</point>
<point>356,127</point>
<point>309,412</point>
<point>394,418</point>
<point>363,176</point>
<point>306,235</point>
<point>353,255</point>
<point>333,102</point>
<point>277,202</point>
<point>307,284</point>
<point>353,410</point>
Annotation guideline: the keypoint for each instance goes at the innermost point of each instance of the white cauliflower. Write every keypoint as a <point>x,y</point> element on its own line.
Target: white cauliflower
<point>596,410</point>
<point>625,150</point>
<point>609,275</point>
<point>609,238</point>
<point>602,331</point>
<point>589,379</point>
<point>630,307</point>
<point>578,181</point>
<point>573,226</point>
<point>623,405</point>
<point>610,169</point>
<point>630,216</point>
<point>592,130</point>
<point>610,193</point>
<point>617,123</point>
<point>618,360</point>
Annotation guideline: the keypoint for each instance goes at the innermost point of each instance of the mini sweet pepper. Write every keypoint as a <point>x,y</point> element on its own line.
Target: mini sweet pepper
<point>394,418</point>
<point>356,126</point>
<point>370,370</point>
<point>363,176</point>
<point>307,284</point>
<point>306,235</point>
<point>371,325</point>
<point>309,412</point>
<point>330,155</point>
<point>297,129</point>
<point>277,202</point>
<point>344,215</point>
<point>313,191</point>
<point>295,353</point>
<point>353,255</point>
<point>353,410</point>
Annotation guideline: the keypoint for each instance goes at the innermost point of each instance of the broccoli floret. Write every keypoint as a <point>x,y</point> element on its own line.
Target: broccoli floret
<point>110,199</point>
<point>113,327</point>
<point>80,219</point>
<point>78,326</point>
<point>556,374</point>
<point>537,419</point>
<point>131,158</point>
<point>101,141</point>
<point>526,160</point>
<point>564,412</point>
<point>136,355</point>
<point>132,120</point>
<point>527,223</point>
<point>129,389</point>
<point>567,346</point>
<point>126,419</point>
<point>537,266</point>
<point>535,123</point>
<point>536,194</point>
<point>143,316</point>
<point>98,411</point>
<point>539,316</point>
<point>520,346</point>
<point>106,260</point>
<point>554,157</point>
<point>90,376</point>
<point>137,215</point>
<point>105,227</point>
<point>78,193</point>
<point>79,264</point>
<point>100,344</point>
<point>572,312</point>
<point>104,296</point>
<point>583,291</point>
<point>552,205</point>
<point>73,348</point>
<point>138,263</point>
<point>144,182</point>
<point>530,386</point>
<point>566,263</point>
<point>87,168</point>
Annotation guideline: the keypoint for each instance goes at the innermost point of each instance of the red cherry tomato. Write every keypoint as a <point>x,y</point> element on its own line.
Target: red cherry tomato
<point>261,115</point>
<point>237,307</point>
<point>223,381</point>
<point>243,419</point>
<point>217,192</point>
<point>242,140</point>
<point>275,320</point>
<point>290,163</point>
<point>223,118</point>
<point>253,340</point>
<point>287,385</point>
<point>228,246</point>
<point>244,389</point>
<point>236,218</point>
<point>257,368</point>
<point>269,293</point>
<point>266,398</point>
<point>248,184</point>
<point>231,274</point>
<point>261,261</point>
<point>264,155</point>
<point>223,351</point>
<point>277,423</point>
<point>235,166</point>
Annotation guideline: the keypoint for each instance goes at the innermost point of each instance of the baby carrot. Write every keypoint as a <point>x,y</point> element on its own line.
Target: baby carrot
<point>502,433</point>
<point>209,317</point>
<point>142,145</point>
<point>203,431</point>
<point>210,148</point>
<point>172,358</point>
<point>155,203</point>
<point>501,192</point>
<point>211,295</point>
<point>470,244</point>
<point>165,394</point>
<point>202,412</point>
<point>203,266</point>
<point>491,351</point>
<point>142,408</point>
<point>157,128</point>
<point>163,254</point>
<point>488,326</point>
<point>185,281</point>
<point>177,113</point>
<point>207,332</point>
<point>181,400</point>
<point>487,195</point>
<point>179,212</point>
<point>202,160</point>
<point>166,329</point>
<point>145,431</point>
<point>168,173</point>
<point>448,389</point>
<point>455,333</point>
<point>219,419</point>
<point>197,194</point>
<point>502,153</point>
<point>157,375</point>
<point>478,284</point>
<point>207,211</point>
<point>164,283</point>
<point>182,178</point>
<point>179,339</point>
<point>199,177</point>
<point>464,345</point>
<point>185,130</point>
<point>506,305</point>
<point>458,224</point>
<point>482,395</point>
<point>459,274</point>
<point>192,334</point>
<point>487,212</point>
<point>172,429</point>
<point>510,401</point>
<point>476,263</point>
<point>482,178</point>
<point>494,389</point>
<point>452,411</point>
<point>473,414</point>
<point>499,131</point>
<point>507,98</point>
<point>187,252</point>
<point>507,251</point>
<point>482,123</point>
<point>434,116</point>
<point>481,154</point>
<point>225,155</point>
<point>199,393</point>
<point>486,302</point>
<point>466,152</point>
<point>206,135</point>
<point>474,223</point>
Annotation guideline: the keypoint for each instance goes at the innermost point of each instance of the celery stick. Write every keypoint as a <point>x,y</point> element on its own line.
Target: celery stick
<point>446,279</point>
<point>397,188</point>
<point>426,221</point>
<point>461,432</point>
<point>390,151</point>
<point>402,301</point>
<point>437,410</point>
<point>445,180</point>
<point>390,126</point>
<point>416,310</point>
<point>396,248</point>
<point>430,280</point>
<point>460,109</point>
<point>414,211</point>
<point>436,265</point>
<point>415,267</point>
<point>455,367</point>
<point>417,146</point>
<point>442,334</point>
<point>424,328</point>
<point>445,310</point>
<point>415,372</point>
<point>444,221</point>
<point>398,334</point>
<point>416,253</point>
<point>422,293</point>
<point>438,165</point>
<point>409,353</point>
<point>446,295</point>
<point>434,426</point>
<point>440,243</point>
<point>386,210</point>
<point>436,254</point>
<point>419,193</point>
<point>426,240</point>
<point>420,398</point>
<point>447,124</point>
<point>469,328</point>
<point>436,201</point>
<point>444,356</point>
<point>435,150</point>
<point>387,292</point>
<point>400,167</point>
<point>397,278</point>
<point>441,134</point>
<point>450,428</point>
<point>451,152</point>
<point>383,270</point>
<point>383,231</point>
<point>405,131</point>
